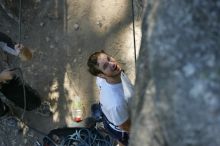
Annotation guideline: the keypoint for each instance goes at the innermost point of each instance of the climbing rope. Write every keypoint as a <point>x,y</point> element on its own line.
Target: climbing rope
<point>133,17</point>
<point>81,137</point>
<point>20,71</point>
<point>23,86</point>
<point>19,26</point>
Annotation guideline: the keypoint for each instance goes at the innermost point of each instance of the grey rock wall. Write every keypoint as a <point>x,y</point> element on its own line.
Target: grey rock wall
<point>177,99</point>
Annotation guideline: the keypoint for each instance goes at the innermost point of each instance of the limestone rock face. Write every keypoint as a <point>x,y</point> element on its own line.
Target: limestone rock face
<point>177,99</point>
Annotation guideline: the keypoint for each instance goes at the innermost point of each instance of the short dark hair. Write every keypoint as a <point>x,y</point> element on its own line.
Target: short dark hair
<point>92,63</point>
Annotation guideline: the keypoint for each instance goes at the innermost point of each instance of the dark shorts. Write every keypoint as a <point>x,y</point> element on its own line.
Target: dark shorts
<point>97,113</point>
<point>123,137</point>
<point>14,91</point>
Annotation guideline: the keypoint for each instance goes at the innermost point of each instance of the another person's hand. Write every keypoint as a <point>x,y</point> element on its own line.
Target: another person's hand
<point>6,75</point>
<point>24,53</point>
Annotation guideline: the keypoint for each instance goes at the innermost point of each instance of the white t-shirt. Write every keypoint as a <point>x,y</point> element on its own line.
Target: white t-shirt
<point>113,102</point>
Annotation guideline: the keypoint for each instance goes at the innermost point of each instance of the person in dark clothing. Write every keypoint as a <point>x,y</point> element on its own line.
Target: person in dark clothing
<point>11,85</point>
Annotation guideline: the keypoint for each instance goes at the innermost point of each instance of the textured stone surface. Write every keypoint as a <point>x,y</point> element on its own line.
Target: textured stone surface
<point>180,56</point>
